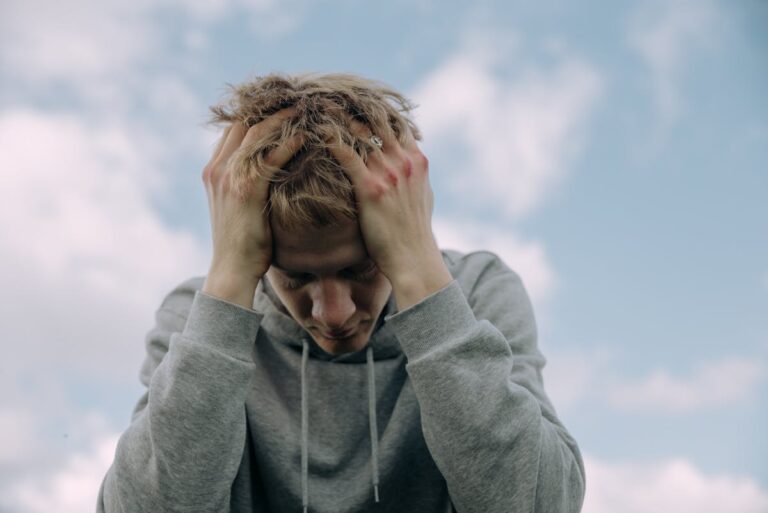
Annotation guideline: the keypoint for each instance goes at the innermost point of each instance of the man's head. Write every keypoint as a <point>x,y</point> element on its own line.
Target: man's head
<point>321,270</point>
<point>312,189</point>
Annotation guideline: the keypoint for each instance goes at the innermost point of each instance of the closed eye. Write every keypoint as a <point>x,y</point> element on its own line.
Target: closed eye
<point>296,280</point>
<point>361,273</point>
<point>364,272</point>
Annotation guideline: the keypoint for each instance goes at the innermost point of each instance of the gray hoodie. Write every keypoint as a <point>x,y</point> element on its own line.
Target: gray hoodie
<point>444,410</point>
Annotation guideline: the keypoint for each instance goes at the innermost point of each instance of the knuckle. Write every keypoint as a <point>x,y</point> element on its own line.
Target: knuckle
<point>369,182</point>
<point>374,188</point>
<point>407,166</point>
<point>400,153</point>
<point>270,159</point>
<point>215,173</point>
<point>378,190</point>
<point>273,158</point>
<point>424,161</point>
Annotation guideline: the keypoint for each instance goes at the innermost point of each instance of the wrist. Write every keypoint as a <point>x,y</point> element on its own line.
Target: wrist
<point>419,282</point>
<point>237,288</point>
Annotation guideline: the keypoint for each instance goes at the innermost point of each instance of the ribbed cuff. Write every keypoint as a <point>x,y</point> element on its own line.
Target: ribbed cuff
<point>441,316</point>
<point>224,326</point>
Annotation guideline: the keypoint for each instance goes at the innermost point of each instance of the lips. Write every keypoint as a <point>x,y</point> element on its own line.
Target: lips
<point>361,327</point>
<point>338,335</point>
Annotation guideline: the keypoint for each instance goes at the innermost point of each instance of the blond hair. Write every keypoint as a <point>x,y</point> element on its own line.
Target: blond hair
<point>311,188</point>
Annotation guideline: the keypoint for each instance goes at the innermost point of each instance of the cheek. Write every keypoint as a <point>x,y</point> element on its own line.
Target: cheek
<point>297,302</point>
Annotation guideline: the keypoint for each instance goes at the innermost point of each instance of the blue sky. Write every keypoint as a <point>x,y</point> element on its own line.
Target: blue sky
<point>615,155</point>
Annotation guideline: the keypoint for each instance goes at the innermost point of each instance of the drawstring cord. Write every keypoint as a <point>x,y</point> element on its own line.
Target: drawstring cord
<point>372,422</point>
<point>304,428</point>
<point>305,425</point>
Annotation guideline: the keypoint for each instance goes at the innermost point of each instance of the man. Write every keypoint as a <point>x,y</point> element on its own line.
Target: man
<point>334,358</point>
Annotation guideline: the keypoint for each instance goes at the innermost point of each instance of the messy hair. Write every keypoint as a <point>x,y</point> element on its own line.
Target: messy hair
<point>311,188</point>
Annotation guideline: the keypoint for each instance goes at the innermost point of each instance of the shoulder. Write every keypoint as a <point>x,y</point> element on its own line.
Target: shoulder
<point>495,292</point>
<point>476,267</point>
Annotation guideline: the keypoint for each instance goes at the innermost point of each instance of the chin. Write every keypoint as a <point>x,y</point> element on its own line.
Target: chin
<point>342,346</point>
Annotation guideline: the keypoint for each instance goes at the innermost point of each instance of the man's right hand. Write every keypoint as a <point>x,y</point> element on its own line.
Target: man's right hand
<point>237,195</point>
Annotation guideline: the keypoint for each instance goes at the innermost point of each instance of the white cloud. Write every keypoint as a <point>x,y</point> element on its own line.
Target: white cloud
<point>106,52</point>
<point>88,260</point>
<point>674,485</point>
<point>88,257</point>
<point>528,259</point>
<point>76,209</point>
<point>572,377</point>
<point>592,377</point>
<point>666,34</point>
<point>16,432</point>
<point>712,384</point>
<point>518,133</point>
<point>71,489</point>
<point>46,40</point>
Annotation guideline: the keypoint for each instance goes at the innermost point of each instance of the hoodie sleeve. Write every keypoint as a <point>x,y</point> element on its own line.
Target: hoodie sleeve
<point>475,367</point>
<point>186,439</point>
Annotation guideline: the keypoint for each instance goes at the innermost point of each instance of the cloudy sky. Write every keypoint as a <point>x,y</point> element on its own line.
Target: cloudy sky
<point>615,155</point>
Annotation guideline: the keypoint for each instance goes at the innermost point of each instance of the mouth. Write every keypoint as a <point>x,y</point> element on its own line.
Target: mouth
<point>338,335</point>
<point>360,327</point>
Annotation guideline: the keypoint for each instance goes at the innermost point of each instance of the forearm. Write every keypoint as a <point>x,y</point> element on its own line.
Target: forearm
<point>183,450</point>
<point>487,432</point>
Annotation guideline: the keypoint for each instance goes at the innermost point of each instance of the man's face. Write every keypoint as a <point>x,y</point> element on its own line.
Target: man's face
<point>328,284</point>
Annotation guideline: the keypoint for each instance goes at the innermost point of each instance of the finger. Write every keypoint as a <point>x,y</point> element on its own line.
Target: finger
<point>285,151</point>
<point>359,129</point>
<point>220,143</point>
<point>234,138</point>
<point>229,139</point>
<point>243,180</point>
<point>268,125</point>
<point>257,186</point>
<point>349,160</point>
<point>384,131</point>
<point>363,132</point>
<point>410,140</point>
<point>388,135</point>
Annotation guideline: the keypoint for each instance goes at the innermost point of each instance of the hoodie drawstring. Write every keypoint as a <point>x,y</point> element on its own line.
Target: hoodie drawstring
<point>304,428</point>
<point>372,422</point>
<point>305,425</point>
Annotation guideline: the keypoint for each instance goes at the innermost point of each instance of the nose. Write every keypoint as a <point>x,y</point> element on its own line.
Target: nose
<point>332,303</point>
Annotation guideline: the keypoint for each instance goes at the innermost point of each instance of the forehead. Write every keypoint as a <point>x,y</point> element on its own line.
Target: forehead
<point>318,250</point>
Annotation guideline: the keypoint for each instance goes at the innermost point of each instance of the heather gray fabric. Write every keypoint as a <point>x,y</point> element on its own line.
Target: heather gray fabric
<point>455,417</point>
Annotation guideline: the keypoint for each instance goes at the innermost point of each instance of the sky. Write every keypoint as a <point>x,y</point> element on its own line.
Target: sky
<point>615,154</point>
